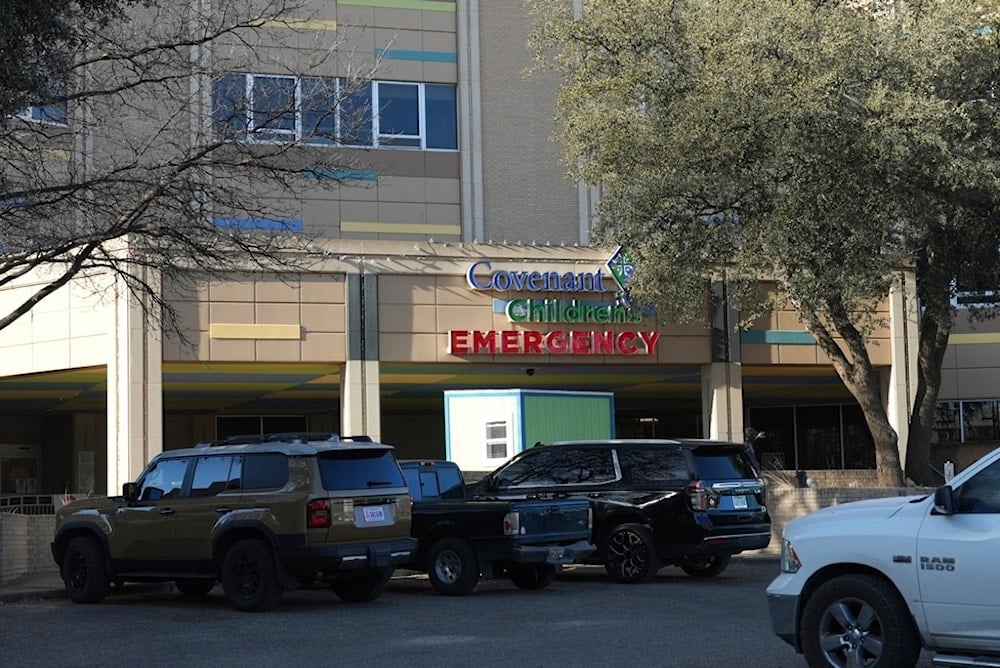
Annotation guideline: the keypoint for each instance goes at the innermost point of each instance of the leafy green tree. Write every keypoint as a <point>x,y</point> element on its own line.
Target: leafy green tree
<point>821,145</point>
<point>39,38</point>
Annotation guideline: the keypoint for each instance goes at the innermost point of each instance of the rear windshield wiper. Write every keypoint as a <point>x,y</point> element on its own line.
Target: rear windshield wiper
<point>379,483</point>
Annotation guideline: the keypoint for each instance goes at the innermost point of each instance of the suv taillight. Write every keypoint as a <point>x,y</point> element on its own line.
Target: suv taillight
<point>698,495</point>
<point>318,514</point>
<point>511,524</point>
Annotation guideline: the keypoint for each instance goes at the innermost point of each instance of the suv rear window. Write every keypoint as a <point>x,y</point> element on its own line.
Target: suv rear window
<point>359,469</point>
<point>723,464</point>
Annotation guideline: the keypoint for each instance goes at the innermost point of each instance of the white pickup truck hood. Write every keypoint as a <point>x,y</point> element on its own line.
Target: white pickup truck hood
<point>855,511</point>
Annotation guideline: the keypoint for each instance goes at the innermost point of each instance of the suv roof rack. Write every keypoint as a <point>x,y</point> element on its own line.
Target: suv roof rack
<point>285,437</point>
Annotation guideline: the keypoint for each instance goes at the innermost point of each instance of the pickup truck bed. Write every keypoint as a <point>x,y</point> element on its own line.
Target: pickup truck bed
<point>460,541</point>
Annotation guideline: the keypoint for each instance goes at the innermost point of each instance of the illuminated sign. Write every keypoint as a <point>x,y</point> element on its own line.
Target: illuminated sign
<point>558,310</point>
<point>533,281</point>
<point>557,342</point>
<point>614,276</point>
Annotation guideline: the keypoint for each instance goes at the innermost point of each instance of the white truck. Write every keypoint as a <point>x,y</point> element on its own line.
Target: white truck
<point>872,583</point>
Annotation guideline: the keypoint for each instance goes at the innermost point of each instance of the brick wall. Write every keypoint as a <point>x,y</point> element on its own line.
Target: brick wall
<point>786,503</point>
<point>24,545</point>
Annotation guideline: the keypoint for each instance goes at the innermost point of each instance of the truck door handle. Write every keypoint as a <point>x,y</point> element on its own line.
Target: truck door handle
<point>166,511</point>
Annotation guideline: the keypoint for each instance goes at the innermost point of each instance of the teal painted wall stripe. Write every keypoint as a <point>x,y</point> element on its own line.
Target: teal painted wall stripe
<point>778,336</point>
<point>426,56</point>
<point>427,5</point>
<point>341,174</point>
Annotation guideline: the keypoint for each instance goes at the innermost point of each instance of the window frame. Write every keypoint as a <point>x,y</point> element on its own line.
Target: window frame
<point>374,93</point>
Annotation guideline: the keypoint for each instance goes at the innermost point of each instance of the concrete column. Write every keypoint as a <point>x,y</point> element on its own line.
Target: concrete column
<point>900,380</point>
<point>722,401</point>
<point>135,390</point>
<point>360,401</point>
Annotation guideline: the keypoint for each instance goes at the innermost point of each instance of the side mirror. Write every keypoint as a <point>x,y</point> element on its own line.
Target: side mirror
<point>128,491</point>
<point>944,500</point>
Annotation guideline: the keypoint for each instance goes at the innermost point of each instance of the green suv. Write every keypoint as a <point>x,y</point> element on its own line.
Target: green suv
<point>261,515</point>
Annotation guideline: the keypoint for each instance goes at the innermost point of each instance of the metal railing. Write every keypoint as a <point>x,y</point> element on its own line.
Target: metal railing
<point>27,504</point>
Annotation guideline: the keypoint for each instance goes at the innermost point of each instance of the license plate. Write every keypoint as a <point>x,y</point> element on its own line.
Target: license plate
<point>739,502</point>
<point>375,513</point>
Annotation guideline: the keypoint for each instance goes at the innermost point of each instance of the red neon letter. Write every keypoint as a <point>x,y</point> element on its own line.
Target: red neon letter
<point>532,342</point>
<point>458,342</point>
<point>580,342</point>
<point>626,343</point>
<point>484,340</point>
<point>509,342</point>
<point>556,342</point>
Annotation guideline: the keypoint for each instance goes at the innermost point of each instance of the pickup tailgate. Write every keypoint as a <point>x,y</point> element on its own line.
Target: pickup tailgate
<point>553,521</point>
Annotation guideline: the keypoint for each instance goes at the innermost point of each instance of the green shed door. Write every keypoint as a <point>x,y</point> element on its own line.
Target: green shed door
<point>549,418</point>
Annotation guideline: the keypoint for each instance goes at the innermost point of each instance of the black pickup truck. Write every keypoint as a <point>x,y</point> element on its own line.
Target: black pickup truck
<point>460,541</point>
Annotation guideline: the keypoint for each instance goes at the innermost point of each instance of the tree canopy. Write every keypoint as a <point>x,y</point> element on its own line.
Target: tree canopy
<point>819,144</point>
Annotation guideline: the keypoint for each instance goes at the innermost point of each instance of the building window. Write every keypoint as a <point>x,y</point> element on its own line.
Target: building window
<point>497,440</point>
<point>827,437</point>
<point>258,425</point>
<point>313,110</point>
<point>53,114</point>
<point>966,421</point>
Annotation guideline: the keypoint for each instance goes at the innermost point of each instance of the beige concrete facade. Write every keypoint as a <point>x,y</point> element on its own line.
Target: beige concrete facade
<point>366,337</point>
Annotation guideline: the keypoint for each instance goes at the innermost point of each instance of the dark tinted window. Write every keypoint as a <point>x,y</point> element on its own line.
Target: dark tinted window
<point>359,469</point>
<point>211,475</point>
<point>451,484</point>
<point>559,466</point>
<point>723,464</point>
<point>265,470</point>
<point>981,494</point>
<point>164,480</point>
<point>657,464</point>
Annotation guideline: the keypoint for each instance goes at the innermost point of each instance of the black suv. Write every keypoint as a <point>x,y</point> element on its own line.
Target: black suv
<point>684,502</point>
<point>261,515</point>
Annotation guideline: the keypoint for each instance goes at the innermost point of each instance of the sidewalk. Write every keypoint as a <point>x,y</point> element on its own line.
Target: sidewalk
<point>46,584</point>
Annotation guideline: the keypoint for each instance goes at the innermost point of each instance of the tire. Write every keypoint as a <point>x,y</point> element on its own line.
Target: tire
<point>359,590</point>
<point>629,555</point>
<point>537,576</point>
<point>249,577</point>
<point>453,567</point>
<point>85,570</point>
<point>858,620</point>
<point>194,586</point>
<point>705,567</point>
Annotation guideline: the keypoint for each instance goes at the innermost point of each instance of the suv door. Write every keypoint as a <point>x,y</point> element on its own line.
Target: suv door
<point>214,493</point>
<point>148,522</point>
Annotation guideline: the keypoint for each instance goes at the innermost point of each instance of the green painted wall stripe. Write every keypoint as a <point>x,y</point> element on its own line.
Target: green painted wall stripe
<point>778,337</point>
<point>426,5</point>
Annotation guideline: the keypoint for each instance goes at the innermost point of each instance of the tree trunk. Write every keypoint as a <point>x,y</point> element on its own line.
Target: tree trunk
<point>854,367</point>
<point>935,328</point>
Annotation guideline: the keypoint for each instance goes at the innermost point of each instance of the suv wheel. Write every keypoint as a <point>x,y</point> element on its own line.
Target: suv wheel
<point>249,578</point>
<point>533,577</point>
<point>704,567</point>
<point>194,586</point>
<point>85,571</point>
<point>858,620</point>
<point>360,590</point>
<point>629,556</point>
<point>453,567</point>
